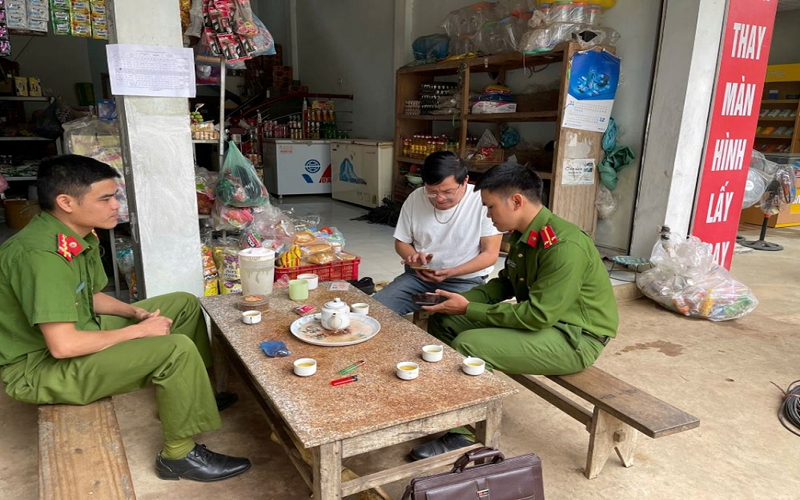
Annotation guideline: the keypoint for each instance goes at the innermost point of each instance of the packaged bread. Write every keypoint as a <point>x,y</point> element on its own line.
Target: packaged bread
<point>347,256</point>
<point>316,248</point>
<point>304,237</point>
<point>322,258</point>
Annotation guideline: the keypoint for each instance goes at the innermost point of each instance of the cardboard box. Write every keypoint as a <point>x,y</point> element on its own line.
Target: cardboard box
<point>21,86</point>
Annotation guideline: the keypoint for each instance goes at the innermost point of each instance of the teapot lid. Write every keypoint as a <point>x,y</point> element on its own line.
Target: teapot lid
<point>335,304</point>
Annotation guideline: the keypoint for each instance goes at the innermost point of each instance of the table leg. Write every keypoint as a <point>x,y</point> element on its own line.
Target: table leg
<point>327,467</point>
<point>488,431</point>
<point>221,364</point>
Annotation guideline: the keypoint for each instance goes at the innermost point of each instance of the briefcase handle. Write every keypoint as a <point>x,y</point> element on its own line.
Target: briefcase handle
<point>477,454</point>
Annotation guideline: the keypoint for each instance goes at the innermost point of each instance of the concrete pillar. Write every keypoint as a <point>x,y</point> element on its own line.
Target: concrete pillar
<point>679,110</point>
<point>159,170</point>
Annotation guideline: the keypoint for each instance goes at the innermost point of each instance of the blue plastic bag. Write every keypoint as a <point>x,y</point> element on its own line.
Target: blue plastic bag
<point>431,47</point>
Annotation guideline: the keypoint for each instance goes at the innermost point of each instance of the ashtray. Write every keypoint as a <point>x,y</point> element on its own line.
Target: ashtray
<point>253,303</point>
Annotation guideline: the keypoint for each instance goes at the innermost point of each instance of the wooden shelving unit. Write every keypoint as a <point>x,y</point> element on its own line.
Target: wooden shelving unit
<point>781,95</point>
<point>575,203</point>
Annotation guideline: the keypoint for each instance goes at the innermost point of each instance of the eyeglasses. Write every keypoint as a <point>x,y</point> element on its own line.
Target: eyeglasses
<point>447,194</point>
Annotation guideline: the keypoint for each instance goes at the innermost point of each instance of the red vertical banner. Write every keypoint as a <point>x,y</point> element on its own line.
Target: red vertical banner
<point>743,58</point>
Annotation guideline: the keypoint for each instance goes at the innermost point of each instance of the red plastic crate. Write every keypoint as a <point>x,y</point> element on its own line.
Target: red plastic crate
<point>340,270</point>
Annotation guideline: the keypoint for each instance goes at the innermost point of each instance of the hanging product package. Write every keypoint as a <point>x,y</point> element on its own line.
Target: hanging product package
<point>238,183</point>
<point>686,279</point>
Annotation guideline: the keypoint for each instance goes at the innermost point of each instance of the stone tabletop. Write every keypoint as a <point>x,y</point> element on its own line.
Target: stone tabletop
<point>319,413</point>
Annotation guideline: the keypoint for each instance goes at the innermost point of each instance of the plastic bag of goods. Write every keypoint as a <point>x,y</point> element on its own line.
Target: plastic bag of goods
<point>238,184</point>
<point>685,279</point>
<point>270,228</point>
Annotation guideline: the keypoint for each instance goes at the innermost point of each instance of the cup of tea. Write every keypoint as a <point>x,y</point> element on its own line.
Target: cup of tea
<point>313,280</point>
<point>359,308</point>
<point>251,317</point>
<point>473,366</point>
<point>305,367</point>
<point>407,370</point>
<point>432,353</point>
<point>298,289</point>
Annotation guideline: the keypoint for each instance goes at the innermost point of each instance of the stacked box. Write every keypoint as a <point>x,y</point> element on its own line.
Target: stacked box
<point>282,77</point>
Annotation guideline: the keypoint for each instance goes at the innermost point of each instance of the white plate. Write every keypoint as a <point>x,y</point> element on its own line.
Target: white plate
<point>309,329</point>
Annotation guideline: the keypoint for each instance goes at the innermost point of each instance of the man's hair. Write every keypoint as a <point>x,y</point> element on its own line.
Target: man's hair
<point>440,165</point>
<point>72,175</point>
<point>508,178</point>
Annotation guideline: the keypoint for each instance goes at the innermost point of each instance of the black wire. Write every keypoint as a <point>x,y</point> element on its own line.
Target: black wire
<point>23,49</point>
<point>790,407</point>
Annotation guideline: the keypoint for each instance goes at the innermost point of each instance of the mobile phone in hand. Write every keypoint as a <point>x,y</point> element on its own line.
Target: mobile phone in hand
<point>427,299</point>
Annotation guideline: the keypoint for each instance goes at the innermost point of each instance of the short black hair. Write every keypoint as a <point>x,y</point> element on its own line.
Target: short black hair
<point>72,175</point>
<point>440,165</point>
<point>508,178</point>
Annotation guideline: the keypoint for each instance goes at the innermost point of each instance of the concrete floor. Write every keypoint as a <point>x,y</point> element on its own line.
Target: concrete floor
<point>721,372</point>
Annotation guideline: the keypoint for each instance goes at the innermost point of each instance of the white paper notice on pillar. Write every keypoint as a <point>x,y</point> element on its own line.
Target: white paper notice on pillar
<point>578,172</point>
<point>149,70</point>
<point>593,81</point>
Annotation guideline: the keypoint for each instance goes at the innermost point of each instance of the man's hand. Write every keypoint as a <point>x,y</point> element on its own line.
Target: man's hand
<point>154,325</point>
<point>142,314</point>
<point>435,276</point>
<point>454,304</point>
<point>417,259</point>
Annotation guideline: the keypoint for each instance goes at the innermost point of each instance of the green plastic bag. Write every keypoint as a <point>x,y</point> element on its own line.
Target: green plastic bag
<point>238,183</point>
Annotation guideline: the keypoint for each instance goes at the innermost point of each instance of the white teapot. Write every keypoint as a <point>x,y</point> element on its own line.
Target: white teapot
<point>335,315</point>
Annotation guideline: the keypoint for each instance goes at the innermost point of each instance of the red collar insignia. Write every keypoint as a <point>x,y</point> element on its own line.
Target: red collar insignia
<point>68,246</point>
<point>533,238</point>
<point>549,237</point>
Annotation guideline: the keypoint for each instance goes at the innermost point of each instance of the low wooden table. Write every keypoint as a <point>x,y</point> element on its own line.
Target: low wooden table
<point>377,411</point>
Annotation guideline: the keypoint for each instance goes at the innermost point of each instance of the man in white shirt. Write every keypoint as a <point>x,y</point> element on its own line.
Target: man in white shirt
<point>443,236</point>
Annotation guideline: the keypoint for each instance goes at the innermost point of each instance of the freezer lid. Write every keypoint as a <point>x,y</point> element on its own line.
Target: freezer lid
<point>364,142</point>
<point>297,142</point>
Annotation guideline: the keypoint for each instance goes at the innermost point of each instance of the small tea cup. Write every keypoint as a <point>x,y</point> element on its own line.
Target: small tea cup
<point>360,308</point>
<point>305,367</point>
<point>432,353</point>
<point>313,280</point>
<point>407,370</point>
<point>473,366</point>
<point>251,317</point>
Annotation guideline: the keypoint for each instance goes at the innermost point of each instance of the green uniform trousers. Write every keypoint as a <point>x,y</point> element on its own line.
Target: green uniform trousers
<point>542,352</point>
<point>176,364</point>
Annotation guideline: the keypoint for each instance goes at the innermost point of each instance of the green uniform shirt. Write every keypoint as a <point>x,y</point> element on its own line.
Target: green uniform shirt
<point>41,286</point>
<point>565,283</point>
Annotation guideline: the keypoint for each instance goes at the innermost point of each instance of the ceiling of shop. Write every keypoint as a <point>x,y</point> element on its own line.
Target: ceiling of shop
<point>788,4</point>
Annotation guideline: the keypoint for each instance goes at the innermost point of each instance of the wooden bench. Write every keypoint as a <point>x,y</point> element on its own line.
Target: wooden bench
<point>620,410</point>
<point>81,453</point>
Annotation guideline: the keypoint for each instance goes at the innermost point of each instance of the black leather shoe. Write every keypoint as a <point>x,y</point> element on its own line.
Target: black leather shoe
<point>201,464</point>
<point>366,285</point>
<point>449,442</point>
<point>226,400</point>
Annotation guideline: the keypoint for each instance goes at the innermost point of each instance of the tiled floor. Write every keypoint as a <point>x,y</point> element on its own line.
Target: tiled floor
<point>720,372</point>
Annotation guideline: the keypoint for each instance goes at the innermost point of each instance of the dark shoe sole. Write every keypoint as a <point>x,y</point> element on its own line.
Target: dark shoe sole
<point>225,400</point>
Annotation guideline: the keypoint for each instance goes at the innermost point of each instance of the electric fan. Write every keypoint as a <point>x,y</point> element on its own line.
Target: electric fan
<point>779,189</point>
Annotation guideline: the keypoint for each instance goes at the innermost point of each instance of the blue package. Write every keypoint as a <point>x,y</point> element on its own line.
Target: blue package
<point>275,349</point>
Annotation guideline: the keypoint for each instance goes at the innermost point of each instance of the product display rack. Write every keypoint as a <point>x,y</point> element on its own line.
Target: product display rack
<point>575,203</point>
<point>23,139</point>
<point>780,109</point>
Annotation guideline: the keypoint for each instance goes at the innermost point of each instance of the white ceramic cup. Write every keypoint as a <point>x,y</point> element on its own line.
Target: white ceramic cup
<point>305,367</point>
<point>473,366</point>
<point>432,353</point>
<point>359,308</point>
<point>407,370</point>
<point>251,317</point>
<point>313,280</point>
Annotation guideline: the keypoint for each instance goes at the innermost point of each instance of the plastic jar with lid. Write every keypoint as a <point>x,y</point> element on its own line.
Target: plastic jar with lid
<point>592,14</point>
<point>560,12</point>
<point>577,14</point>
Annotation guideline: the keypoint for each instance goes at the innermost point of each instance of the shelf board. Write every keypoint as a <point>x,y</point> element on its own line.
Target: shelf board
<point>203,216</point>
<point>525,116</point>
<point>484,64</point>
<point>781,137</point>
<point>777,119</point>
<point>23,98</point>
<point>780,101</point>
<point>20,178</point>
<point>404,159</point>
<point>205,141</point>
<point>26,139</point>
<point>430,117</point>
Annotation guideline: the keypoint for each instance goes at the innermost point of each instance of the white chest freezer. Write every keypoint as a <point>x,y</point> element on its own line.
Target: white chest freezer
<point>362,171</point>
<point>297,166</point>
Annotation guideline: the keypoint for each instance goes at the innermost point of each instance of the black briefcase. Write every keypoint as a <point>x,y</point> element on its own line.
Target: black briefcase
<point>518,478</point>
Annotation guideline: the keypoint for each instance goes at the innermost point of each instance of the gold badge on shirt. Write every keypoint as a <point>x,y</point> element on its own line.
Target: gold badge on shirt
<point>68,246</point>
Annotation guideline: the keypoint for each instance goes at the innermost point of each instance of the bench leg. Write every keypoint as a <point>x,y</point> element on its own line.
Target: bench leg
<point>608,432</point>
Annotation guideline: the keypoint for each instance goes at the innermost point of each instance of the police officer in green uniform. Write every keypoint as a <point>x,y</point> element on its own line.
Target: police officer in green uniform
<point>64,341</point>
<point>565,311</point>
